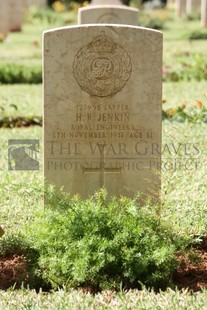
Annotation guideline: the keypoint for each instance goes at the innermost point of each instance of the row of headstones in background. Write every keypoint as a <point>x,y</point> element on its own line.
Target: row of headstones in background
<point>204,13</point>
<point>12,13</point>
<point>185,7</point>
<point>102,106</point>
<point>108,12</point>
<point>188,6</point>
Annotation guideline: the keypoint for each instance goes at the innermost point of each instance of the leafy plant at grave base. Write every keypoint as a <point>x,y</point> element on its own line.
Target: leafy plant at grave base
<point>150,21</point>
<point>102,244</point>
<point>198,113</point>
<point>19,121</point>
<point>43,15</point>
<point>15,244</point>
<point>198,34</point>
<point>20,74</point>
<point>193,16</point>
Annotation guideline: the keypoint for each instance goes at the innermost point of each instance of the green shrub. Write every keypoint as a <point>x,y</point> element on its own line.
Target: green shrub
<point>152,22</point>
<point>102,243</point>
<point>188,67</point>
<point>43,15</point>
<point>13,244</point>
<point>181,114</point>
<point>15,122</point>
<point>199,34</point>
<point>193,16</point>
<point>20,74</point>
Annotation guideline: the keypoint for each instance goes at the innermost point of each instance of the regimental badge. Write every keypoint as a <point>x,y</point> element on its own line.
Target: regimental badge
<point>102,67</point>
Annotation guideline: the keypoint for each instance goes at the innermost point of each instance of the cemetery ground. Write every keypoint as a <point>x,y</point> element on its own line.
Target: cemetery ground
<point>177,227</point>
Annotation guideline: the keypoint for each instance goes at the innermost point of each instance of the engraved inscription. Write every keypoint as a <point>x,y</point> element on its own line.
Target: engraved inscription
<point>102,67</point>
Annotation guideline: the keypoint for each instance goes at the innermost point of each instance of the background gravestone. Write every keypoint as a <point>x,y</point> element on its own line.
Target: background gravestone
<point>102,109</point>
<point>4,18</point>
<point>193,6</point>
<point>41,3</point>
<point>29,3</point>
<point>181,7</point>
<point>108,14</point>
<point>16,14</point>
<point>170,2</point>
<point>204,13</point>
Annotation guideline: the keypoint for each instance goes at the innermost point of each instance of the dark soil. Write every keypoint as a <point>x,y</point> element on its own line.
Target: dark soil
<point>19,122</point>
<point>191,272</point>
<point>13,271</point>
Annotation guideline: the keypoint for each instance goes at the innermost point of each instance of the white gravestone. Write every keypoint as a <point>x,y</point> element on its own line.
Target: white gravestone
<point>29,3</point>
<point>181,7</point>
<point>108,14</point>
<point>170,2</point>
<point>193,6</point>
<point>102,109</point>
<point>4,18</point>
<point>41,3</point>
<point>16,14</point>
<point>204,13</point>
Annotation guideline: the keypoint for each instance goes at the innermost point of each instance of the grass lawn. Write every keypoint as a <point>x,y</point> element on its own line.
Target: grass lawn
<point>21,100</point>
<point>184,189</point>
<point>178,93</point>
<point>74,300</point>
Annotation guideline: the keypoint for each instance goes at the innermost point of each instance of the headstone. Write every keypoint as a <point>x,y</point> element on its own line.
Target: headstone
<point>16,14</point>
<point>193,6</point>
<point>28,3</point>
<point>4,18</point>
<point>170,2</point>
<point>106,2</point>
<point>181,8</point>
<point>102,109</point>
<point>204,13</point>
<point>108,14</point>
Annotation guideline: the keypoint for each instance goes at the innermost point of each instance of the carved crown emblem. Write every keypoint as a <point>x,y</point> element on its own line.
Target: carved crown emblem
<point>102,43</point>
<point>102,67</point>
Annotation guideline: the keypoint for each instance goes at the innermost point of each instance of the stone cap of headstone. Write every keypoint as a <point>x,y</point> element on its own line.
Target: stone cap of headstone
<point>4,19</point>
<point>108,14</point>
